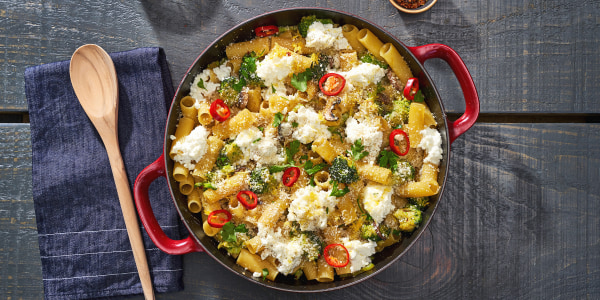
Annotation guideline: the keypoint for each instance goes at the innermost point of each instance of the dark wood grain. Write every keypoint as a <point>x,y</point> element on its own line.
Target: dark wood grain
<point>535,56</point>
<point>520,218</point>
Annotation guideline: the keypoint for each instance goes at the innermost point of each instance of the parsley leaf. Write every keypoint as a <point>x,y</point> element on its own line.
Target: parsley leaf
<point>256,140</point>
<point>273,89</point>
<point>357,150</point>
<point>292,149</point>
<point>277,118</point>
<point>300,80</point>
<point>229,229</point>
<point>201,84</point>
<point>337,192</point>
<point>265,273</point>
<point>388,159</point>
<point>419,97</point>
<point>312,169</point>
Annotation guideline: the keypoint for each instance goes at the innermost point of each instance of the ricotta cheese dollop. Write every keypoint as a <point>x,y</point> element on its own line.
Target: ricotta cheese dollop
<point>191,148</point>
<point>322,36</point>
<point>377,200</point>
<point>431,142</point>
<point>310,208</point>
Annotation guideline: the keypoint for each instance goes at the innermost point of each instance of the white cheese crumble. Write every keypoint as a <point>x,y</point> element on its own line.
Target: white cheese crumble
<point>258,147</point>
<point>191,148</point>
<point>363,74</point>
<point>309,127</point>
<point>369,134</point>
<point>223,71</point>
<point>310,208</point>
<point>276,67</point>
<point>377,200</point>
<point>322,36</point>
<point>360,253</point>
<point>431,142</point>
<point>256,274</point>
<point>289,252</point>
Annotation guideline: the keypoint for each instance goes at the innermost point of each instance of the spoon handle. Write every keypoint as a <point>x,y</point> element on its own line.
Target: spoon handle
<point>129,214</point>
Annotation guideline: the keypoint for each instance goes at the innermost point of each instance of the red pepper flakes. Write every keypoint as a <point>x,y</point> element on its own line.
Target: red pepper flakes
<point>411,3</point>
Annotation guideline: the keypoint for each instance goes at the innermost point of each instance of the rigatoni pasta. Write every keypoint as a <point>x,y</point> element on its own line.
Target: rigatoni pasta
<point>302,153</point>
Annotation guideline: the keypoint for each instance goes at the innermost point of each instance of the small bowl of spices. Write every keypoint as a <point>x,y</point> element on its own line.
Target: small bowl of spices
<point>413,6</point>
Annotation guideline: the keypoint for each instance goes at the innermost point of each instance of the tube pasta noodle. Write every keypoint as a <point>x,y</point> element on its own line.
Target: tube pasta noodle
<point>310,270</point>
<point>375,173</point>
<point>231,186</point>
<point>204,117</point>
<point>187,107</point>
<point>370,41</point>
<point>194,202</point>
<point>324,271</point>
<point>258,45</point>
<point>180,173</point>
<point>187,185</point>
<point>351,34</point>
<point>254,263</point>
<point>391,55</point>
<point>425,187</point>
<point>184,127</point>
<point>294,163</point>
<point>208,160</point>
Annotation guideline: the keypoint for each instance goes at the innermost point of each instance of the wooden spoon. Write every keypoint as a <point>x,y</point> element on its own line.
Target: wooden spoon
<point>94,80</point>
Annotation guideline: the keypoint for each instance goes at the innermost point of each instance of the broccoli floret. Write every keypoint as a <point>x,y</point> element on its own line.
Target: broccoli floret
<point>306,21</point>
<point>260,180</point>
<point>231,87</point>
<point>374,232</point>
<point>421,202</point>
<point>343,170</point>
<point>399,114</point>
<point>312,245</point>
<point>408,217</point>
<point>230,90</point>
<point>403,172</point>
<point>230,153</point>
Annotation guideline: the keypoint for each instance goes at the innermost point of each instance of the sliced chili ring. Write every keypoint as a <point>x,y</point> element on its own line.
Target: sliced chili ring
<point>411,88</point>
<point>290,175</point>
<point>332,84</point>
<point>333,260</point>
<point>248,199</point>
<point>393,145</point>
<point>263,31</point>
<point>216,220</point>
<point>219,110</point>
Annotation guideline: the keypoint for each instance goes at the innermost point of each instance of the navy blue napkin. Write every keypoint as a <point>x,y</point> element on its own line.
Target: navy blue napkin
<point>83,242</point>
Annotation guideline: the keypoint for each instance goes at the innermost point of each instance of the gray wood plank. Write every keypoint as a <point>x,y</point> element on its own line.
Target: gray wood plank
<point>534,56</point>
<point>519,219</point>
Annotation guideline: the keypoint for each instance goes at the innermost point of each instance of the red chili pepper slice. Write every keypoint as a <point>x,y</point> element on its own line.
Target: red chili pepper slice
<point>263,31</point>
<point>216,220</point>
<point>219,110</point>
<point>393,145</point>
<point>411,88</point>
<point>290,175</point>
<point>245,196</point>
<point>334,261</point>
<point>332,84</point>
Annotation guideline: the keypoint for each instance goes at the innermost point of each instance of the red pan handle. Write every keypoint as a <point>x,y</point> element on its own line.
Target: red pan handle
<point>142,203</point>
<point>462,124</point>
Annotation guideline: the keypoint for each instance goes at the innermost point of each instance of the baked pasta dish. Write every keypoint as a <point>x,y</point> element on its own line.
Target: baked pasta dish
<point>306,150</point>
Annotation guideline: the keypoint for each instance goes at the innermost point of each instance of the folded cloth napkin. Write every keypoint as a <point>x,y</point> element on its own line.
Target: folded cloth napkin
<point>83,242</point>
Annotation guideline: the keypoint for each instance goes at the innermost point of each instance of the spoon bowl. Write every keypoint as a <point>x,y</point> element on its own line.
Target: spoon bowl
<point>94,81</point>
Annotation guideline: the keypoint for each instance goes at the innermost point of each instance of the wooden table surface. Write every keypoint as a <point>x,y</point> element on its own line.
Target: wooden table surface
<point>520,216</point>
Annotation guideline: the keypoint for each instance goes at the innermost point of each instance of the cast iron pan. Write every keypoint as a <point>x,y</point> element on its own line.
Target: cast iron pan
<point>198,241</point>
